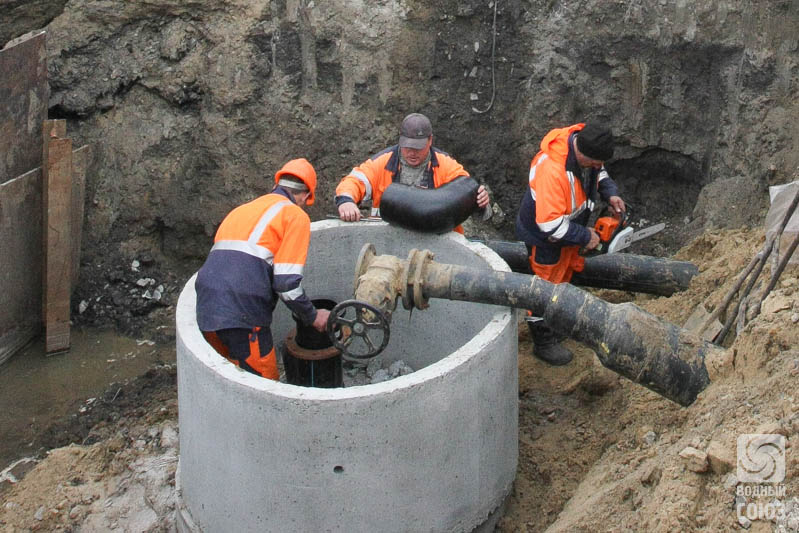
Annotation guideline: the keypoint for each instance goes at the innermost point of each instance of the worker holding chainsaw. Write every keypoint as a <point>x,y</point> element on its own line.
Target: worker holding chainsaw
<point>413,161</point>
<point>258,256</point>
<point>566,178</point>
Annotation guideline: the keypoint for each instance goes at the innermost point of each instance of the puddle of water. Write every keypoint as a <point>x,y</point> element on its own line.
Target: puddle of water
<point>36,390</point>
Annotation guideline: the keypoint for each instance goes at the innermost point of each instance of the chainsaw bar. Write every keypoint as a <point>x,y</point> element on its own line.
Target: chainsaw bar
<point>647,232</point>
<point>363,219</point>
<point>627,236</point>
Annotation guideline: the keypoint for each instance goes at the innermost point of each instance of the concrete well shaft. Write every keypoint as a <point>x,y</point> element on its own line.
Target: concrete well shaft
<point>434,450</point>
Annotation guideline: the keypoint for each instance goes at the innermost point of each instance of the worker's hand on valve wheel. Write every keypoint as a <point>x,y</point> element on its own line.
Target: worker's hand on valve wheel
<point>594,242</point>
<point>320,323</point>
<point>349,212</point>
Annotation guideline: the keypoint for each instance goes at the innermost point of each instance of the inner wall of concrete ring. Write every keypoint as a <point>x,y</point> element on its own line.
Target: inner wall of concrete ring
<point>435,450</point>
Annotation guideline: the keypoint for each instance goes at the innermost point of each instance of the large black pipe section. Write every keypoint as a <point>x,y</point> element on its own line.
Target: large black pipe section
<point>627,339</point>
<point>624,272</point>
<point>636,273</point>
<point>430,210</point>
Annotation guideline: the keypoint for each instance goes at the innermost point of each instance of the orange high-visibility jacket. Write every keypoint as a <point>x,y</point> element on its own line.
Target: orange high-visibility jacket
<point>556,195</point>
<point>555,208</point>
<point>259,251</point>
<point>369,180</point>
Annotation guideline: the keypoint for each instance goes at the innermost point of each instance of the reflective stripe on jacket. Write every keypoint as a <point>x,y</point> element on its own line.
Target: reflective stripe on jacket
<point>259,251</point>
<point>368,180</point>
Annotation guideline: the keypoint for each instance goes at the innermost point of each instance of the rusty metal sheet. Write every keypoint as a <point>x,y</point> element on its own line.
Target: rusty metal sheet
<point>24,95</point>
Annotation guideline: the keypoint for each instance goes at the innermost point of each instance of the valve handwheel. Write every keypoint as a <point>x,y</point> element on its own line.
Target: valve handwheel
<point>359,330</point>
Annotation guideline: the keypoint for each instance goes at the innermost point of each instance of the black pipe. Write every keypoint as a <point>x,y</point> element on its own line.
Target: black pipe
<point>627,339</point>
<point>636,273</point>
<point>430,210</point>
<point>308,357</point>
<point>512,252</point>
<point>624,272</point>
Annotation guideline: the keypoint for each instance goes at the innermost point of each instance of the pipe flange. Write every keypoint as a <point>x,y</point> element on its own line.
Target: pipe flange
<point>420,260</point>
<point>407,291</point>
<point>365,258</point>
<point>299,352</point>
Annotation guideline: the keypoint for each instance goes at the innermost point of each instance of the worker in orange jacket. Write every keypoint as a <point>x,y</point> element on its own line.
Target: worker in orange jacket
<point>414,161</point>
<point>258,256</point>
<point>566,177</point>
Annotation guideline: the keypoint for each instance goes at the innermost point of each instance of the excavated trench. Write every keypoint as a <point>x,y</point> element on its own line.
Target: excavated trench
<point>188,109</point>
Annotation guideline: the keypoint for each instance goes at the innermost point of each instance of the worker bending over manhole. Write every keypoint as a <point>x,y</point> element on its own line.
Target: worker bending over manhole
<point>259,250</point>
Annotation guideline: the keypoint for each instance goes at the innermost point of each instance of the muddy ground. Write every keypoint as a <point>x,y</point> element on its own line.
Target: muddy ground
<point>596,451</point>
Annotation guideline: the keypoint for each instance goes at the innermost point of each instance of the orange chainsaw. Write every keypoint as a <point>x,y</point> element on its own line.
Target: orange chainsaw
<point>615,234</point>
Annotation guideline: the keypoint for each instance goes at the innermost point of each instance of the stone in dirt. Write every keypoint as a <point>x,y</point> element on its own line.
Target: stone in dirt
<point>695,460</point>
<point>721,457</point>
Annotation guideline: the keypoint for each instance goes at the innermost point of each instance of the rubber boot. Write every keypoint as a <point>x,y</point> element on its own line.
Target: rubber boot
<point>547,346</point>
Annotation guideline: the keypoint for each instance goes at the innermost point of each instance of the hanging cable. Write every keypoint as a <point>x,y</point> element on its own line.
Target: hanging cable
<point>493,52</point>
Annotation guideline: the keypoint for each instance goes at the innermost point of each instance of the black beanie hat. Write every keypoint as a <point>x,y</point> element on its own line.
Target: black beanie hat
<point>595,141</point>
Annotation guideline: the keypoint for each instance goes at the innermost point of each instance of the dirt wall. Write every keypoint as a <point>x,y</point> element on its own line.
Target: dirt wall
<point>192,106</point>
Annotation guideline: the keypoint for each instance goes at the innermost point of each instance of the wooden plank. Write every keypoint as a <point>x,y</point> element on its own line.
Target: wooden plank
<point>80,161</point>
<point>20,261</point>
<point>24,95</point>
<point>57,222</point>
<point>696,321</point>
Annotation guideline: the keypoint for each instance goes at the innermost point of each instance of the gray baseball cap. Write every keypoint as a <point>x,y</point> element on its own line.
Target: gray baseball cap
<point>415,131</point>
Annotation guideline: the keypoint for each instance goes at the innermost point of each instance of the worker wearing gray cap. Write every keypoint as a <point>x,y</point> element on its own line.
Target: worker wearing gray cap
<point>413,161</point>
